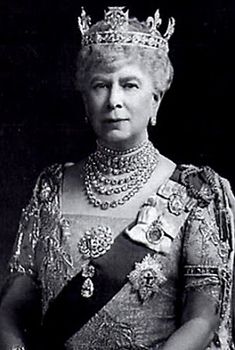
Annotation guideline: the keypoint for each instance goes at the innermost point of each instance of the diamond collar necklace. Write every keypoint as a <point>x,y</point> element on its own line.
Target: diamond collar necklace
<point>112,177</point>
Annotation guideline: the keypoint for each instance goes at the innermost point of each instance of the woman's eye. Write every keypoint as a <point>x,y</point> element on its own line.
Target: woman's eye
<point>130,86</point>
<point>99,86</point>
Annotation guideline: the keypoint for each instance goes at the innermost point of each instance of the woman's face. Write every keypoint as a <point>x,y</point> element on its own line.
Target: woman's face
<point>119,103</point>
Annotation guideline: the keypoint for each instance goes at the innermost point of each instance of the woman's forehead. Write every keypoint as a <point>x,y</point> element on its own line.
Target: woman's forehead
<point>112,63</point>
<point>119,66</point>
<point>124,72</point>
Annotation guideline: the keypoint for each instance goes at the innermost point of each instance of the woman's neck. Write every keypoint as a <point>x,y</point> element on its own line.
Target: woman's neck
<point>126,146</point>
<point>119,151</point>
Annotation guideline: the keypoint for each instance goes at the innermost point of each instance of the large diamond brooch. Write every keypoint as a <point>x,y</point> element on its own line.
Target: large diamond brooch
<point>95,242</point>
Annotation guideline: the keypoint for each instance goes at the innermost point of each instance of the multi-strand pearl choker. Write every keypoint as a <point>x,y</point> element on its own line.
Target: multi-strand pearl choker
<point>118,174</point>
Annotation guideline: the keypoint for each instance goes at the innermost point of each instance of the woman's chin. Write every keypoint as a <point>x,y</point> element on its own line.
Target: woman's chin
<point>115,136</point>
<point>118,140</point>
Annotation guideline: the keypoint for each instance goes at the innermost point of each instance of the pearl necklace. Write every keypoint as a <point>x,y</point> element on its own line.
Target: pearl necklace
<point>110,172</point>
<point>115,152</point>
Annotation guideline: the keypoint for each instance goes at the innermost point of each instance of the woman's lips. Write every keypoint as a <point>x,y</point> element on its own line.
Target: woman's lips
<point>117,120</point>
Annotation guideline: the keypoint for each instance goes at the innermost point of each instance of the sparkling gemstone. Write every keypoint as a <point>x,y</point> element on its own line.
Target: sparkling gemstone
<point>104,205</point>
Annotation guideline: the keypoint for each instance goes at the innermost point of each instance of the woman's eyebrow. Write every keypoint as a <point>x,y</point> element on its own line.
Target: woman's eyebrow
<point>97,78</point>
<point>129,78</point>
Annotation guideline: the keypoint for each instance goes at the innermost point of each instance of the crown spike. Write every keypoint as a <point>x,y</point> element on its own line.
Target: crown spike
<point>154,22</point>
<point>170,28</point>
<point>84,22</point>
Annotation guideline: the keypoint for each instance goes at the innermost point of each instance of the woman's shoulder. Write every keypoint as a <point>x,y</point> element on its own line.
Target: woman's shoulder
<point>50,179</point>
<point>190,187</point>
<point>201,182</point>
<point>210,193</point>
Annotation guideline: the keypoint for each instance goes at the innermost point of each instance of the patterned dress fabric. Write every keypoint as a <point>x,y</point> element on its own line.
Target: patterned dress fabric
<point>188,253</point>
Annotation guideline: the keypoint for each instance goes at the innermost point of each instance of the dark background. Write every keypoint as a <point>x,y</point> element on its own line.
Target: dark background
<point>42,117</point>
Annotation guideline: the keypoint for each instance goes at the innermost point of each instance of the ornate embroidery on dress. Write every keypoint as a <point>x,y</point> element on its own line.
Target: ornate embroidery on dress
<point>205,279</point>
<point>204,193</point>
<point>56,268</point>
<point>23,257</point>
<point>57,265</point>
<point>216,250</point>
<point>197,214</point>
<point>42,232</point>
<point>112,335</point>
<point>210,234</point>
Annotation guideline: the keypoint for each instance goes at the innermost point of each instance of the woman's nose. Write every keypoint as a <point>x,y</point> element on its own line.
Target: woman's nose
<point>115,97</point>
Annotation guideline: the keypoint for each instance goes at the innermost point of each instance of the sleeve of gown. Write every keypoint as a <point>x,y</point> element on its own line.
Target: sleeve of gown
<point>207,258</point>
<point>36,218</point>
<point>23,257</point>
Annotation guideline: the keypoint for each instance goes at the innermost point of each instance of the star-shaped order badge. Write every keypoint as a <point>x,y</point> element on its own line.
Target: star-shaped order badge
<point>147,277</point>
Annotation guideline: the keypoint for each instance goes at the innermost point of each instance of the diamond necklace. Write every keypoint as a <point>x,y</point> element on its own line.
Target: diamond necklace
<point>109,172</point>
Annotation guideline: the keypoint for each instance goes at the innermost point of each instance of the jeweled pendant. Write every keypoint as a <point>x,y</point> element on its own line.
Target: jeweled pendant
<point>155,233</point>
<point>87,288</point>
<point>176,204</point>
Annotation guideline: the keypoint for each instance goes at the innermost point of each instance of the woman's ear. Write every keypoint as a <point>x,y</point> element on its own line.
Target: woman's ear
<point>157,98</point>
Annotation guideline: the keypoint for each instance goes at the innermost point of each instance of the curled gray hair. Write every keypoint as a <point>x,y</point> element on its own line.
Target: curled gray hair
<point>155,61</point>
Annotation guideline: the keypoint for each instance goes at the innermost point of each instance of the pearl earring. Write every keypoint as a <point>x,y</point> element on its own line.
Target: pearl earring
<point>153,120</point>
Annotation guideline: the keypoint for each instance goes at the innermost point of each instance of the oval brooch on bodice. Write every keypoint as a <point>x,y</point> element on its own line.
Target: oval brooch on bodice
<point>95,242</point>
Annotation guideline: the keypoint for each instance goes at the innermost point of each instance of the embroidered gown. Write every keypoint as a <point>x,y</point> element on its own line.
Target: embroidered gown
<point>183,241</point>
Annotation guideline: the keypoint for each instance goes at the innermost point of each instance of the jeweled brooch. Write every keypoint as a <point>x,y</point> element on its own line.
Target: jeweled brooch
<point>147,277</point>
<point>95,242</point>
<point>176,204</point>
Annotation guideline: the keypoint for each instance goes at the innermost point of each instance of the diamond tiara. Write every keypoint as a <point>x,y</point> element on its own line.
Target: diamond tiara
<point>116,24</point>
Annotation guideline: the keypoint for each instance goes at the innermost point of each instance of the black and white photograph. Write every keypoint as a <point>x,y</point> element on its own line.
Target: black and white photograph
<point>117,175</point>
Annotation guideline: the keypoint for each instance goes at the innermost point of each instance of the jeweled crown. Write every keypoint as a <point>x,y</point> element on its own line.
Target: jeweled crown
<point>117,31</point>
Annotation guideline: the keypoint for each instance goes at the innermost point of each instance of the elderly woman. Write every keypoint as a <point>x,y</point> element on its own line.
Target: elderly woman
<point>123,250</point>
